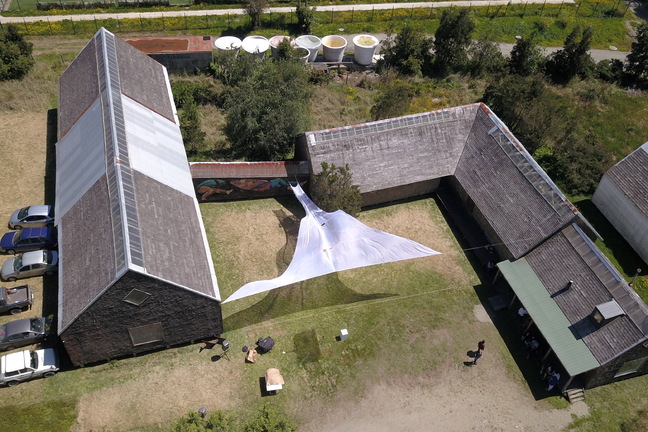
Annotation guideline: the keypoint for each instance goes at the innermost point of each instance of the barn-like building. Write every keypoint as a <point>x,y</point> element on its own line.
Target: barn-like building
<point>594,328</point>
<point>622,197</point>
<point>136,271</point>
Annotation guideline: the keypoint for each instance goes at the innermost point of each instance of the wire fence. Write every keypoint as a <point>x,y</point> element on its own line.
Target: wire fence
<point>287,21</point>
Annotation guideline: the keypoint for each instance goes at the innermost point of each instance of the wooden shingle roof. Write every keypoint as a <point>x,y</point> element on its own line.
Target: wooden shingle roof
<point>630,175</point>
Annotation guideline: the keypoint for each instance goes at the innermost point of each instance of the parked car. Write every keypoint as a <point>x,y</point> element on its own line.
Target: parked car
<point>28,365</point>
<point>16,299</point>
<point>16,334</point>
<point>32,217</point>
<point>28,239</point>
<point>29,264</point>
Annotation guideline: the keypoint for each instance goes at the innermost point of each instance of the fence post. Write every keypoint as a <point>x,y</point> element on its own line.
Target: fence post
<point>73,26</point>
<point>141,23</point>
<point>627,7</point>
<point>412,12</point>
<point>392,15</point>
<point>95,21</point>
<point>543,6</point>
<point>430,17</point>
<point>19,7</point>
<point>26,28</point>
<point>185,20</point>
<point>49,24</point>
<point>228,21</point>
<point>352,10</point>
<point>578,7</point>
<point>525,6</point>
<point>506,10</point>
<point>163,23</point>
<point>560,8</point>
<point>595,8</point>
<point>331,16</point>
<point>487,9</point>
<point>206,20</point>
<point>373,9</point>
<point>118,23</point>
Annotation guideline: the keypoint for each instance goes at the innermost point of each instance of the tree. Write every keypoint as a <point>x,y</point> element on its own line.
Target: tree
<point>192,135</point>
<point>452,39</point>
<point>255,8</point>
<point>574,59</point>
<point>485,58</point>
<point>333,189</point>
<point>526,58</point>
<point>637,60</point>
<point>268,110</point>
<point>409,53</point>
<point>305,16</point>
<point>15,54</point>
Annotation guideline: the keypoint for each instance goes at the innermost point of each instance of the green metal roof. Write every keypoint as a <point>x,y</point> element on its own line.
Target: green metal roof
<point>574,355</point>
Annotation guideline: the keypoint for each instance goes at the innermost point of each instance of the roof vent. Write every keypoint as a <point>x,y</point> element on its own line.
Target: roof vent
<point>606,312</point>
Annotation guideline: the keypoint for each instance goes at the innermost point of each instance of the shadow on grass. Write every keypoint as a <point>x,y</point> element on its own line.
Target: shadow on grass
<point>50,283</point>
<point>621,251</point>
<point>323,291</point>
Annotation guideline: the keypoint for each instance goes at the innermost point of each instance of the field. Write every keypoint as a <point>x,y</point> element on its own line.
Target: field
<point>410,323</point>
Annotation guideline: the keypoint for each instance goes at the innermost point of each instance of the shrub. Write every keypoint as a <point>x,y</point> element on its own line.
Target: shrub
<point>409,53</point>
<point>15,54</point>
<point>333,189</point>
<point>305,17</point>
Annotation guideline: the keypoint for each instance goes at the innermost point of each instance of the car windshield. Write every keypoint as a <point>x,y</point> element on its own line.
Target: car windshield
<point>22,213</point>
<point>18,237</point>
<point>37,325</point>
<point>3,331</point>
<point>34,360</point>
<point>47,257</point>
<point>17,263</point>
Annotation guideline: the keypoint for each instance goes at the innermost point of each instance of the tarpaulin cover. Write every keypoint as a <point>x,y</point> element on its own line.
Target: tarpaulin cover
<point>332,242</point>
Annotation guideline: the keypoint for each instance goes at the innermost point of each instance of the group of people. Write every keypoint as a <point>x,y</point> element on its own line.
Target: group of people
<point>550,375</point>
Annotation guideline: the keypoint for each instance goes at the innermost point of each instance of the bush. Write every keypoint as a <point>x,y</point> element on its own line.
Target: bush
<point>394,99</point>
<point>268,110</point>
<point>451,41</point>
<point>305,17</point>
<point>15,54</point>
<point>409,53</point>
<point>574,59</point>
<point>485,59</point>
<point>333,189</point>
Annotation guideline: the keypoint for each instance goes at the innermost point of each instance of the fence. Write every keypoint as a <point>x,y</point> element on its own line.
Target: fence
<point>215,24</point>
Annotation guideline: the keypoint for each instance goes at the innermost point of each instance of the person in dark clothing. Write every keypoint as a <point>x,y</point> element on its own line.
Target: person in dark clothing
<point>480,351</point>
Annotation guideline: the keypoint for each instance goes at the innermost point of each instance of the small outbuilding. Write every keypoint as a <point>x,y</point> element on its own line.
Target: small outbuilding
<point>622,197</point>
<point>136,271</point>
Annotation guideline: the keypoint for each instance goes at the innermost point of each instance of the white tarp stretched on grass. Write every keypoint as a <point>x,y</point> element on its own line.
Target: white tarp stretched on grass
<point>332,242</point>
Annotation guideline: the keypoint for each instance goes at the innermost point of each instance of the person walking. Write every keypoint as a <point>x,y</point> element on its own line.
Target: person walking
<point>481,345</point>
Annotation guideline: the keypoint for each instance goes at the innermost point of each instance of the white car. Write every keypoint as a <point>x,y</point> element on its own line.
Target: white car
<point>29,264</point>
<point>32,216</point>
<point>28,365</point>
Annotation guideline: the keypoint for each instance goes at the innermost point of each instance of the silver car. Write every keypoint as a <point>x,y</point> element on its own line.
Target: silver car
<point>30,264</point>
<point>32,216</point>
<point>23,332</point>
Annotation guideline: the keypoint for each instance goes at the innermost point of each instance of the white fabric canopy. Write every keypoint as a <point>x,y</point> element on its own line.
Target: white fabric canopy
<point>332,242</point>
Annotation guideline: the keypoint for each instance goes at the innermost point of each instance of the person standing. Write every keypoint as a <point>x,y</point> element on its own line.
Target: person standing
<point>481,345</point>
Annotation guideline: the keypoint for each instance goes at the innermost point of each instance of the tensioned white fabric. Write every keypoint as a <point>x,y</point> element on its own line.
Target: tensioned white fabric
<point>332,242</point>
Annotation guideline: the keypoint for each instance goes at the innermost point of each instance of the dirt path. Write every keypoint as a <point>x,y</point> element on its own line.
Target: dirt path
<point>457,398</point>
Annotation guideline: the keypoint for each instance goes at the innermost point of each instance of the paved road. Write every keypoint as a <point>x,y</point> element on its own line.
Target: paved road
<point>135,15</point>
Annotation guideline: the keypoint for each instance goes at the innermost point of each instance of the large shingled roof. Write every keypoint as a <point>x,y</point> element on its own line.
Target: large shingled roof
<point>125,199</point>
<point>514,195</point>
<point>570,255</point>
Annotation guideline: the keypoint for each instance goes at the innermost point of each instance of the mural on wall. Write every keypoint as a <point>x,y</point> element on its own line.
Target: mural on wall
<point>219,189</point>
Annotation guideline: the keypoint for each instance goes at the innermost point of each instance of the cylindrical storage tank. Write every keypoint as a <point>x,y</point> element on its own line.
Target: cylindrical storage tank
<point>227,43</point>
<point>333,47</point>
<point>311,43</point>
<point>274,44</point>
<point>302,54</point>
<point>257,45</point>
<point>364,47</point>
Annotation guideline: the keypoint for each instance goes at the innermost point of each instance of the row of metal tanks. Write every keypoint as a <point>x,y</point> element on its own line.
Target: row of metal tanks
<point>307,46</point>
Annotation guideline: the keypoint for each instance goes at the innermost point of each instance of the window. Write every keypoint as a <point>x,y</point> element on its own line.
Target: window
<point>146,334</point>
<point>630,367</point>
<point>136,297</point>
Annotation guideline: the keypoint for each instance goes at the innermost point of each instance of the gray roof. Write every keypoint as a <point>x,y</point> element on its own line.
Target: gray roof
<point>630,175</point>
<point>125,198</point>
<point>571,256</point>
<point>517,198</point>
<point>425,146</point>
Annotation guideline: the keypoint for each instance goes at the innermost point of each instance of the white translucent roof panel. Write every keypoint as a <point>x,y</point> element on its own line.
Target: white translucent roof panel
<point>155,147</point>
<point>80,159</point>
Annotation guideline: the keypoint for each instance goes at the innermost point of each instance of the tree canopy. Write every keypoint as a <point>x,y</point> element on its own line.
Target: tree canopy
<point>452,39</point>
<point>574,59</point>
<point>409,53</point>
<point>526,57</point>
<point>333,189</point>
<point>267,110</point>
<point>15,54</point>
<point>637,60</point>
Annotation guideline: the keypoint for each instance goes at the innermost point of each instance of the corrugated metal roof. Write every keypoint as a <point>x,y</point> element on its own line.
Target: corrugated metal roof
<point>574,355</point>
